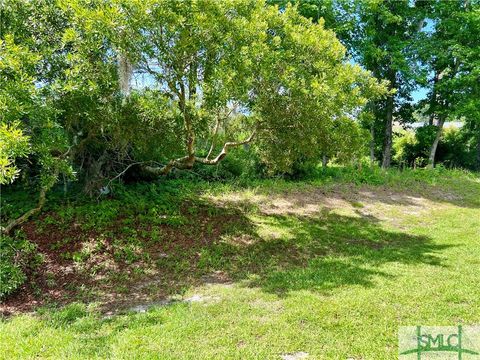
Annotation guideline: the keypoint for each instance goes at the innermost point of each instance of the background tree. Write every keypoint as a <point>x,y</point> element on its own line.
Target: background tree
<point>452,54</point>
<point>382,40</point>
<point>380,35</point>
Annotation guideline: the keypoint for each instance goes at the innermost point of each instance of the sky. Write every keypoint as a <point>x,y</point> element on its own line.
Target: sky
<point>419,94</point>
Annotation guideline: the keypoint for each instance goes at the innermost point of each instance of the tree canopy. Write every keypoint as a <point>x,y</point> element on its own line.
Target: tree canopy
<point>215,75</point>
<point>92,90</point>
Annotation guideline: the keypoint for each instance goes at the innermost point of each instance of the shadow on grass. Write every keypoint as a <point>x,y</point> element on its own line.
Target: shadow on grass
<point>318,253</point>
<point>278,253</point>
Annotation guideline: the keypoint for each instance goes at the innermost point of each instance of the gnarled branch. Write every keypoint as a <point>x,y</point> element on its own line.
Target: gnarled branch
<point>186,163</point>
<point>180,163</point>
<point>214,137</point>
<point>42,198</point>
<point>224,151</point>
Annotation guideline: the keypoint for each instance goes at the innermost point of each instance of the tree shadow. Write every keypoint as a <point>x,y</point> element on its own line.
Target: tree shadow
<point>278,253</point>
<point>319,253</point>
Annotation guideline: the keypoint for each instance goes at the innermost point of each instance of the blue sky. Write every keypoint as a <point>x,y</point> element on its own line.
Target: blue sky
<point>419,94</point>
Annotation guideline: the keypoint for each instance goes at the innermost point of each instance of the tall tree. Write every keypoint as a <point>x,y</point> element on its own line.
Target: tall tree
<point>380,36</point>
<point>452,54</point>
<point>381,40</point>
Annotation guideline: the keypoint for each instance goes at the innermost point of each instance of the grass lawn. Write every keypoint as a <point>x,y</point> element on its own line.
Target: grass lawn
<point>329,267</point>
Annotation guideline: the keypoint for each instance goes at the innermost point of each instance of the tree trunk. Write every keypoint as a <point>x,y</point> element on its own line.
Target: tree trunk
<point>372,144</point>
<point>189,132</point>
<point>387,148</point>
<point>433,100</point>
<point>433,149</point>
<point>324,161</point>
<point>478,150</point>
<point>125,72</point>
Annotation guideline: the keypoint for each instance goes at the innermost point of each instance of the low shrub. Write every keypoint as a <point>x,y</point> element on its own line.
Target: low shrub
<point>17,256</point>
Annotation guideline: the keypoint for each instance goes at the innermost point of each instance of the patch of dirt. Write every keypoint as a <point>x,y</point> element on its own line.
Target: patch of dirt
<point>54,278</point>
<point>217,277</point>
<point>295,356</point>
<point>104,276</point>
<point>364,201</point>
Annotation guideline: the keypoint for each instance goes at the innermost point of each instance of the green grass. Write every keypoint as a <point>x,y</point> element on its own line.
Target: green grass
<point>331,266</point>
